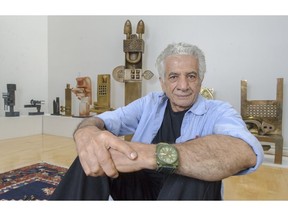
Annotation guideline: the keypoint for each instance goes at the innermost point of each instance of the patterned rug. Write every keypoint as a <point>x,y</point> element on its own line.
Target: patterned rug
<point>35,182</point>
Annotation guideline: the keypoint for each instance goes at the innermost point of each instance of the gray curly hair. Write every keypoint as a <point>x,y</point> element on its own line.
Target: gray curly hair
<point>181,49</point>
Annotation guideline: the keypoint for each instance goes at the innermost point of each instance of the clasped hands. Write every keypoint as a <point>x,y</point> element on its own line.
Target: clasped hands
<point>102,153</point>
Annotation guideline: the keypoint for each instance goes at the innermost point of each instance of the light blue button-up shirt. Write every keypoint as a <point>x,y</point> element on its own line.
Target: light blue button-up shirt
<point>143,118</point>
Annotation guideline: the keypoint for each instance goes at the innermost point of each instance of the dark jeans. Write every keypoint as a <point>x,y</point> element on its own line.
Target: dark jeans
<point>142,185</point>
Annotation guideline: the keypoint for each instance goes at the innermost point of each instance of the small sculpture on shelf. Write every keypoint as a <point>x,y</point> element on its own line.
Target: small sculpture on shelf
<point>9,100</point>
<point>259,126</point>
<point>37,105</point>
<point>207,93</point>
<point>68,101</point>
<point>56,106</point>
<point>103,94</point>
<point>83,92</point>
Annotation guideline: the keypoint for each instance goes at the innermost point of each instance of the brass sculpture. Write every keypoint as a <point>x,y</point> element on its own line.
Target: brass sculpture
<point>264,118</point>
<point>131,74</point>
<point>207,93</point>
<point>68,101</point>
<point>103,94</point>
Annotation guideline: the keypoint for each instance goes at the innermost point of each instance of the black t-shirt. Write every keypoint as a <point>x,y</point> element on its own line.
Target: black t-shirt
<point>170,128</point>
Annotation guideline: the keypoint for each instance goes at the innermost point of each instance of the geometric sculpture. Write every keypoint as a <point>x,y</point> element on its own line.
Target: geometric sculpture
<point>103,94</point>
<point>37,105</point>
<point>264,118</point>
<point>131,73</point>
<point>207,93</point>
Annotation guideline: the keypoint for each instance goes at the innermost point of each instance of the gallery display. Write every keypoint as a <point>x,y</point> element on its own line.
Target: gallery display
<point>263,118</point>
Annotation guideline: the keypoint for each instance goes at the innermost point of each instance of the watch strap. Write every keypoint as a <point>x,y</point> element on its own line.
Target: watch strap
<point>166,169</point>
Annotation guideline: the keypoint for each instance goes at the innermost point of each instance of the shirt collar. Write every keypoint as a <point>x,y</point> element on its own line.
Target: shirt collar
<point>198,108</point>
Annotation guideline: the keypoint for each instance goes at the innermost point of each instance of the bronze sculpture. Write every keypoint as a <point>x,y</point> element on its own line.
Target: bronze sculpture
<point>131,74</point>
<point>103,94</point>
<point>264,118</point>
<point>68,101</point>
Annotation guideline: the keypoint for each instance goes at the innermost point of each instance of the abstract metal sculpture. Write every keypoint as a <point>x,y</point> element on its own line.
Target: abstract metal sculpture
<point>9,100</point>
<point>83,91</point>
<point>264,118</point>
<point>37,105</point>
<point>131,74</point>
<point>68,101</point>
<point>103,94</point>
<point>56,106</point>
<point>207,93</point>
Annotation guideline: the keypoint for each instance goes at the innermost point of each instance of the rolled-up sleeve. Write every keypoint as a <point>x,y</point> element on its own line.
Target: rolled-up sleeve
<point>232,124</point>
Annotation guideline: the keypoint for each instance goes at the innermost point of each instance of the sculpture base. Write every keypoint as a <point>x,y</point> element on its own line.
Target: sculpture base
<point>36,113</point>
<point>99,110</point>
<point>75,116</point>
<point>12,114</point>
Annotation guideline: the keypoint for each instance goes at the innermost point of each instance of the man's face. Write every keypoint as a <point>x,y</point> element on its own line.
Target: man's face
<point>181,83</point>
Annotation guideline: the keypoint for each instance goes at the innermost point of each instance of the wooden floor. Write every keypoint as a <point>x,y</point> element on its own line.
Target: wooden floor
<point>268,183</point>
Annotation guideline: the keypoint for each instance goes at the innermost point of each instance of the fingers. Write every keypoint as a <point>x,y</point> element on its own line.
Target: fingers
<point>124,147</point>
<point>106,163</point>
<point>93,150</point>
<point>90,165</point>
<point>96,159</point>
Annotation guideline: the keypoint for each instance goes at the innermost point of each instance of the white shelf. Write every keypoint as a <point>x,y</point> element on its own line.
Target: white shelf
<point>20,126</point>
<point>60,125</point>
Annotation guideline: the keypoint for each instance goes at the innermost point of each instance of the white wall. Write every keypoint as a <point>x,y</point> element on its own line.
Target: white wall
<point>23,60</point>
<point>236,47</point>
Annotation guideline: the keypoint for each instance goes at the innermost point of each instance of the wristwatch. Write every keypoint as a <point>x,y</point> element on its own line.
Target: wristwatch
<point>166,157</point>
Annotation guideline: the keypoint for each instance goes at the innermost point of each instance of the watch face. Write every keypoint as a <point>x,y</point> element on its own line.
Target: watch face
<point>168,154</point>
